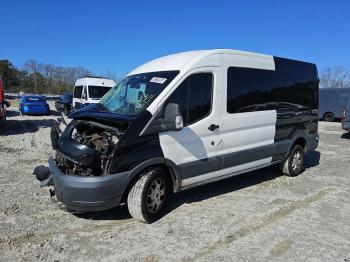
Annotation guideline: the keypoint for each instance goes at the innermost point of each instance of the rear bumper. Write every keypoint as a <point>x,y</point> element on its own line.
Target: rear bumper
<point>35,112</point>
<point>86,193</point>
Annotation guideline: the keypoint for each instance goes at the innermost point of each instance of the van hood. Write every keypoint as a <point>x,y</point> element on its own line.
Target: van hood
<point>99,113</point>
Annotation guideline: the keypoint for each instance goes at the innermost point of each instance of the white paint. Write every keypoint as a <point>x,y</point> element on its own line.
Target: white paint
<point>91,81</point>
<point>247,130</point>
<point>187,61</point>
<point>236,132</point>
<point>194,142</point>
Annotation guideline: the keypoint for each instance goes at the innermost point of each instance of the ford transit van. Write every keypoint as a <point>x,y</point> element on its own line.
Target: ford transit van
<point>88,90</point>
<point>181,121</point>
<point>332,103</point>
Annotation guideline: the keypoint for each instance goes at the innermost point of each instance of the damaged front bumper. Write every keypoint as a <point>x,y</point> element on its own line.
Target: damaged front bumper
<point>85,193</point>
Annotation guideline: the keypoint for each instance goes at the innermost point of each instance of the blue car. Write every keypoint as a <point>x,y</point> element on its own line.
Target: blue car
<point>33,105</point>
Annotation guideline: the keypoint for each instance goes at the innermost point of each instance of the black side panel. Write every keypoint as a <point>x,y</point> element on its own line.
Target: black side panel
<point>199,167</point>
<point>134,149</point>
<point>297,97</point>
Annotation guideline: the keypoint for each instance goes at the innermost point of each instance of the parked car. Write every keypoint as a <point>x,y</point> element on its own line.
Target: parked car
<point>182,121</point>
<point>64,103</point>
<point>34,105</point>
<point>89,90</point>
<point>332,103</point>
<point>3,105</point>
<point>346,116</point>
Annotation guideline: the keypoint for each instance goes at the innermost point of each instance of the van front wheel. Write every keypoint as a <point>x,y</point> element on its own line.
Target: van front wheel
<point>294,164</point>
<point>148,196</point>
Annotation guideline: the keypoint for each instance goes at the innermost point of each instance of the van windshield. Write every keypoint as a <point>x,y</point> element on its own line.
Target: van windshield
<point>135,92</point>
<point>96,92</point>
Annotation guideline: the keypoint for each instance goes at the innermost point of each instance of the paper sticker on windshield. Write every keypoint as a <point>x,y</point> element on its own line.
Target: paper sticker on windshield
<point>158,80</point>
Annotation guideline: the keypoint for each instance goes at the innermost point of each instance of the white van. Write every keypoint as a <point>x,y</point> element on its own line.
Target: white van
<point>89,90</point>
<point>181,121</point>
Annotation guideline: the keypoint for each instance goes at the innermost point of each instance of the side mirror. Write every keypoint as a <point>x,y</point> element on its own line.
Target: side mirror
<point>172,117</point>
<point>84,96</point>
<point>171,120</point>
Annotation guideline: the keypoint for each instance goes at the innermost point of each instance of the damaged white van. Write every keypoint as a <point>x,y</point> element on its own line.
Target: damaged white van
<point>181,121</point>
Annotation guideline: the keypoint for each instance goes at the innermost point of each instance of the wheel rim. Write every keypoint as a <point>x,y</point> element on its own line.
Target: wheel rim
<point>328,118</point>
<point>296,160</point>
<point>155,195</point>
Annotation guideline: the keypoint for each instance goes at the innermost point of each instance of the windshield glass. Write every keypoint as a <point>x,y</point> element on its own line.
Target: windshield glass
<point>96,92</point>
<point>134,93</point>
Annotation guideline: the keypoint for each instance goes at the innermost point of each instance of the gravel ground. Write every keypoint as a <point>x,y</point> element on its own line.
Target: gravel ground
<point>257,216</point>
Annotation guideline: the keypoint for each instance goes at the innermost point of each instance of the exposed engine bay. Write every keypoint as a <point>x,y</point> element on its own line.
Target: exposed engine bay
<point>84,148</point>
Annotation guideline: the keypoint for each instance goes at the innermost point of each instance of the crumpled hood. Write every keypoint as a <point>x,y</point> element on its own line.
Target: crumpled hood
<point>99,113</point>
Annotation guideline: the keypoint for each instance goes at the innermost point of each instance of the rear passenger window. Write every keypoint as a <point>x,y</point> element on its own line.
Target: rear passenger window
<point>290,87</point>
<point>194,97</point>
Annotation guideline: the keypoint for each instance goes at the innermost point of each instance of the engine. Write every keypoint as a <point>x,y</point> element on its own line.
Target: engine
<point>85,148</point>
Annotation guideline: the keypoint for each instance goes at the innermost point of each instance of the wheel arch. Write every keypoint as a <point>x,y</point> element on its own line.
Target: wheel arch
<point>169,166</point>
<point>299,139</point>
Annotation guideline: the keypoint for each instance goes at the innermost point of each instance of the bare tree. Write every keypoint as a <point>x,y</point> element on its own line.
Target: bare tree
<point>34,68</point>
<point>335,77</point>
<point>110,74</point>
<point>46,78</point>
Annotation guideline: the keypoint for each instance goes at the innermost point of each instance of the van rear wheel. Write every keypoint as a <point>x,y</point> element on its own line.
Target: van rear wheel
<point>294,164</point>
<point>329,117</point>
<point>148,196</point>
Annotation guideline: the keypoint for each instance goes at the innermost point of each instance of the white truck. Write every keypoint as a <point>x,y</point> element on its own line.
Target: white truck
<point>89,90</point>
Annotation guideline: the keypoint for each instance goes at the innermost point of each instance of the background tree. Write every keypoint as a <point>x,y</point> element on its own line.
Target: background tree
<point>335,77</point>
<point>41,78</point>
<point>9,73</point>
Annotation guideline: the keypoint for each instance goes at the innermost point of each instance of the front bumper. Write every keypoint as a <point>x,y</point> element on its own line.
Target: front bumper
<point>86,193</point>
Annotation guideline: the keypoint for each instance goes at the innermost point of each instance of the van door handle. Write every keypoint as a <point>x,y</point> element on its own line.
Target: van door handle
<point>212,127</point>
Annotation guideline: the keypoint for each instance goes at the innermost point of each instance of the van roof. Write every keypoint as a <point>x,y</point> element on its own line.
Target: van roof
<point>179,60</point>
<point>95,81</point>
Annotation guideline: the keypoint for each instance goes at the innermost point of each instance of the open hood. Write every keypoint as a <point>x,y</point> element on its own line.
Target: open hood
<point>98,113</point>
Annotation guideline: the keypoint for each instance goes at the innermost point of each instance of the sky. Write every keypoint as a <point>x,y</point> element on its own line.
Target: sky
<point>117,36</point>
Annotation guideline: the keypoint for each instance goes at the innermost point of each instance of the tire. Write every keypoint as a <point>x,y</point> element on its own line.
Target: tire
<point>294,164</point>
<point>148,196</point>
<point>328,117</point>
<point>2,124</point>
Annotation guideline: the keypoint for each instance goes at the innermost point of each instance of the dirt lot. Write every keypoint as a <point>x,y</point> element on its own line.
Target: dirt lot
<point>257,216</point>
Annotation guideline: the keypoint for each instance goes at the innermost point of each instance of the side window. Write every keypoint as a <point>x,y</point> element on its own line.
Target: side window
<point>249,90</point>
<point>200,96</point>
<point>289,87</point>
<point>194,97</point>
<point>180,97</point>
<point>78,91</point>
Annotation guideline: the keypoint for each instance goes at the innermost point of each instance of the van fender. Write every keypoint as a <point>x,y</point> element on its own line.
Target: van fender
<point>174,172</point>
<point>295,137</point>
